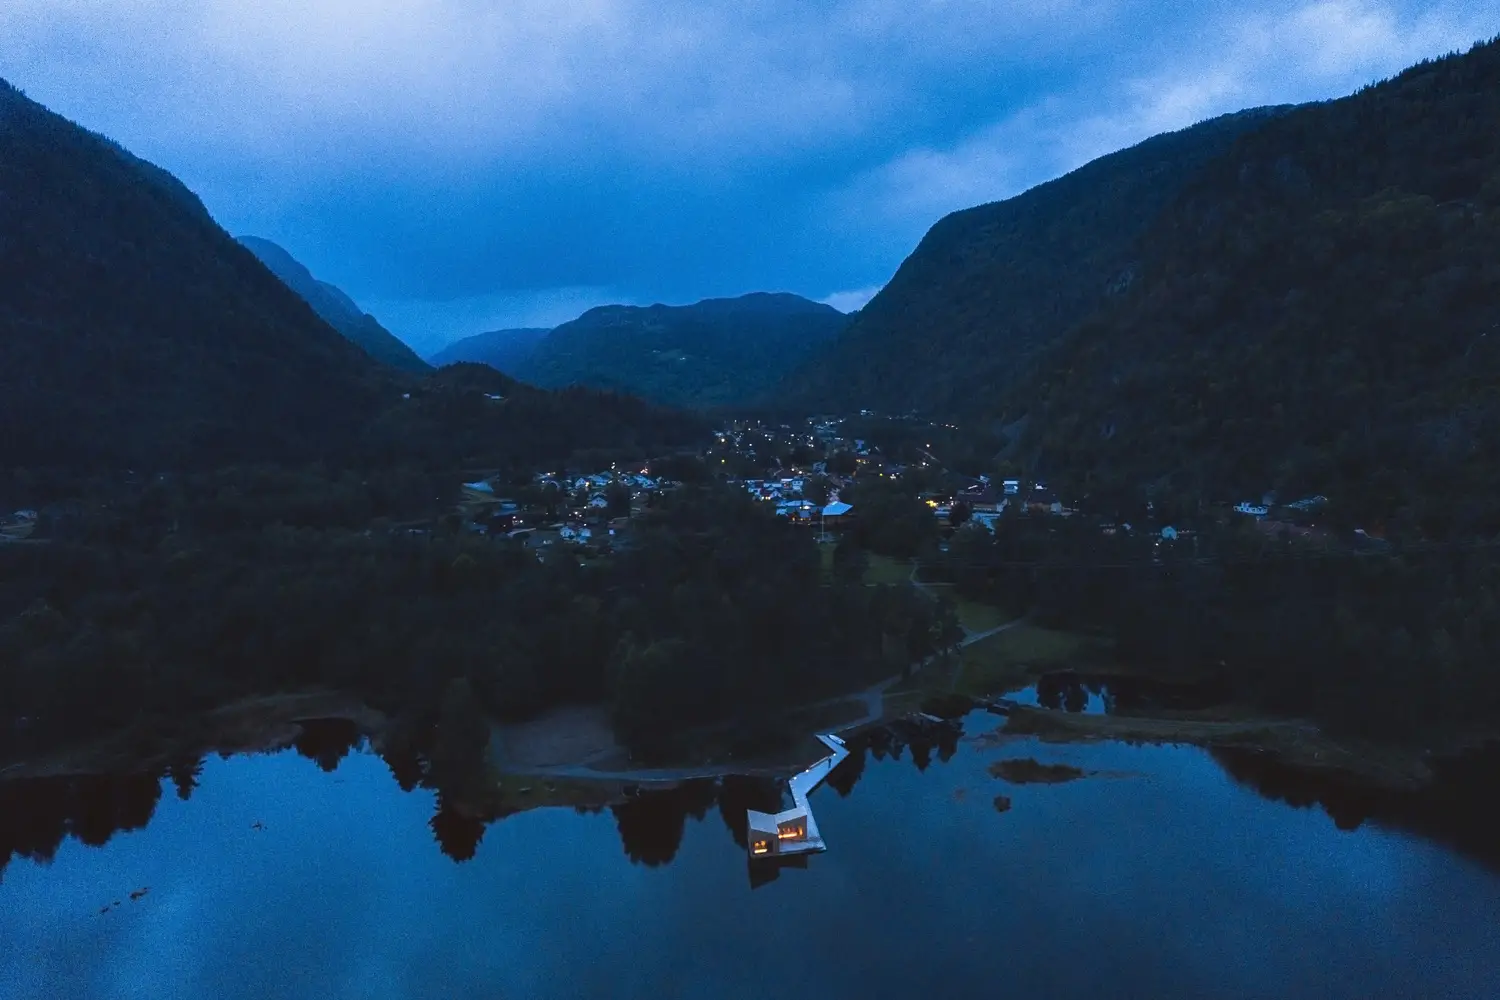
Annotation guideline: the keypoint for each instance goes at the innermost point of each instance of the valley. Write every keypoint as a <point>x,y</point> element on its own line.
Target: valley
<point>1135,515</point>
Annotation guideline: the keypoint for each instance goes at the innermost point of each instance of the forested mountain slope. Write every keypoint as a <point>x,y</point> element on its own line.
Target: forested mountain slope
<point>988,285</point>
<point>1319,312</point>
<point>135,331</point>
<point>337,309</point>
<point>137,334</point>
<point>502,350</point>
<point>717,352</point>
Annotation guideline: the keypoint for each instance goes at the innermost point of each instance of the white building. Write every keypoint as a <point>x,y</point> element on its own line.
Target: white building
<point>794,830</point>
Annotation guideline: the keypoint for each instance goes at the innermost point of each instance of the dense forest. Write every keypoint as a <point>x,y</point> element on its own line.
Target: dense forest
<point>1394,643</point>
<point>1315,314</point>
<point>989,285</point>
<point>336,308</point>
<point>715,353</point>
<point>715,616</point>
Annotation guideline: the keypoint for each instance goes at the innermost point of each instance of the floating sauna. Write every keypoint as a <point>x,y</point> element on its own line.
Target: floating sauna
<point>794,830</point>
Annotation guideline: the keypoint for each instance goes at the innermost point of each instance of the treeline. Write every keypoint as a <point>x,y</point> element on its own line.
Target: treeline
<point>169,601</point>
<point>1394,645</point>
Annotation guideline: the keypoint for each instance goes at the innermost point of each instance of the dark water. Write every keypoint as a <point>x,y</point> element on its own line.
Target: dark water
<point>1171,874</point>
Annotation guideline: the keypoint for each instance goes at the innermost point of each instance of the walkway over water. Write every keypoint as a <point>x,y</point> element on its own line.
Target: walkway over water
<point>795,830</point>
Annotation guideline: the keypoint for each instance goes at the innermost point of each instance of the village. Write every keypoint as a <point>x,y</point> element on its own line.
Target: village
<point>808,473</point>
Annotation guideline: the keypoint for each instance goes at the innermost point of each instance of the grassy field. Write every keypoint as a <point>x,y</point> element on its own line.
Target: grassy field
<point>1014,657</point>
<point>977,617</point>
<point>884,569</point>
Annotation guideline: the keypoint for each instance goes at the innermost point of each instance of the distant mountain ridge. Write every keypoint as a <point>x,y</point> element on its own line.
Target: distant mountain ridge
<point>989,285</point>
<point>502,350</point>
<point>336,308</point>
<point>718,352</point>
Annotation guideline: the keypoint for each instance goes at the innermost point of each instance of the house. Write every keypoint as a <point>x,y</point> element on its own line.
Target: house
<point>986,521</point>
<point>1042,502</point>
<point>599,500</point>
<point>795,509</point>
<point>795,830</point>
<point>1011,486</point>
<point>1253,510</point>
<point>837,510</point>
<point>983,500</point>
<point>1169,534</point>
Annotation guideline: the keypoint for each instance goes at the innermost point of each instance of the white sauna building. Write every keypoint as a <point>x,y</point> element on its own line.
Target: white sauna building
<point>794,830</point>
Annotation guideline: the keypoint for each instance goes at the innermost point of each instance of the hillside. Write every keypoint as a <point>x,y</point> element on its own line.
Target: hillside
<point>719,352</point>
<point>336,308</point>
<point>988,285</point>
<point>134,331</point>
<point>1317,313</point>
<point>502,350</point>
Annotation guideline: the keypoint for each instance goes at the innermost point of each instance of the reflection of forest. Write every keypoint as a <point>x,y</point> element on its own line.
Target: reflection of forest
<point>1071,692</point>
<point>37,815</point>
<point>1457,810</point>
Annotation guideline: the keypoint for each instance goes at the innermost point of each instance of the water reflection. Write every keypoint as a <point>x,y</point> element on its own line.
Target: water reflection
<point>38,815</point>
<point>651,823</point>
<point>1087,694</point>
<point>1457,809</point>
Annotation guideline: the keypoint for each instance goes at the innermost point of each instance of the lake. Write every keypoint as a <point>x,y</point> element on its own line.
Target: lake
<point>1167,872</point>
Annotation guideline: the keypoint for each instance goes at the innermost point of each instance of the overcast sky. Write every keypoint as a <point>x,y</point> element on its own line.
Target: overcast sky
<point>462,165</point>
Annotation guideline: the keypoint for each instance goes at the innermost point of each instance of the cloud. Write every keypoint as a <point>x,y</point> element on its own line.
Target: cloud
<point>1290,54</point>
<point>473,161</point>
<point>853,299</point>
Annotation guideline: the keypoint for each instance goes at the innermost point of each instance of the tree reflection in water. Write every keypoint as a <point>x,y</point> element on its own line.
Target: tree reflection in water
<point>38,815</point>
<point>457,831</point>
<point>327,741</point>
<point>1456,809</point>
<point>651,823</point>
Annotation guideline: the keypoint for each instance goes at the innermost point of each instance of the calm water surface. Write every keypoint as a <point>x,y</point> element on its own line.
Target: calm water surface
<point>1163,876</point>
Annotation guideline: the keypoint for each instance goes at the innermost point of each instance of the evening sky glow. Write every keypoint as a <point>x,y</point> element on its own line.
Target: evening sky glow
<point>462,165</point>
